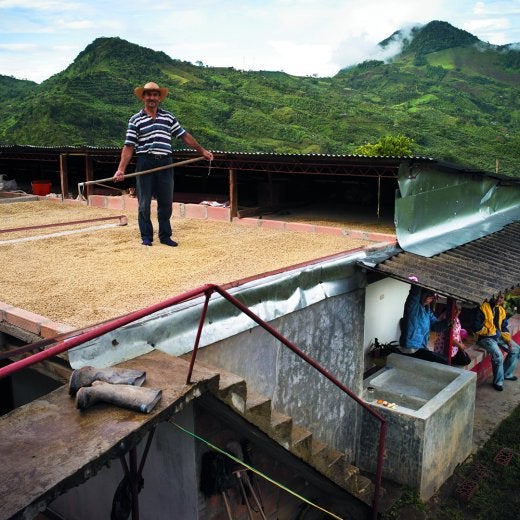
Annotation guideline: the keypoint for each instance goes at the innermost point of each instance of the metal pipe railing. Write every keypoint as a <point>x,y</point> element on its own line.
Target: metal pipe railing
<point>329,376</point>
<point>69,342</point>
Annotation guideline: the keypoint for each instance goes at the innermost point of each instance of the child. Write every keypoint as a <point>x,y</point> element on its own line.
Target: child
<point>458,356</point>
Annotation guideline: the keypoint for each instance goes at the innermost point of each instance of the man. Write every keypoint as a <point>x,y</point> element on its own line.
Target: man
<point>417,322</point>
<point>493,336</point>
<point>149,134</point>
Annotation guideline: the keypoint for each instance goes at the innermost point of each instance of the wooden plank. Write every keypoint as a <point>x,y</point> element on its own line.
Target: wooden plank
<point>233,194</point>
<point>64,175</point>
<point>89,173</point>
<point>49,446</point>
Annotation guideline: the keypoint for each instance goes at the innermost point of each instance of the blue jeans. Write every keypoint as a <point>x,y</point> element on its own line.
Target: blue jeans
<point>160,185</point>
<point>502,368</point>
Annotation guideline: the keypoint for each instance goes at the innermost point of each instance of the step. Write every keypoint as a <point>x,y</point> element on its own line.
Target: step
<point>360,486</point>
<point>258,410</point>
<point>328,461</point>
<point>301,443</point>
<point>232,390</point>
<point>281,428</point>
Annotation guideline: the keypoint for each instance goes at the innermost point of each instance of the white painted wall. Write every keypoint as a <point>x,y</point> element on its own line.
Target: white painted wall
<point>384,302</point>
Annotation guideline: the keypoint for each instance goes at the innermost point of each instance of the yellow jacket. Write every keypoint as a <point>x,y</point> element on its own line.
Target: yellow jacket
<point>487,323</point>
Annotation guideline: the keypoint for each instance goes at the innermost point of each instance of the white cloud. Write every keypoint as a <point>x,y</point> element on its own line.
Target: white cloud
<point>17,47</point>
<point>301,37</point>
<point>40,5</point>
<point>295,58</point>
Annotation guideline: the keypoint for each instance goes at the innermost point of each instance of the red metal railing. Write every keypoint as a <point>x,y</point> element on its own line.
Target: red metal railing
<point>70,341</point>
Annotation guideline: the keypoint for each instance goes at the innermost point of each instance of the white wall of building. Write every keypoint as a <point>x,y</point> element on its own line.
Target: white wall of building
<point>384,302</point>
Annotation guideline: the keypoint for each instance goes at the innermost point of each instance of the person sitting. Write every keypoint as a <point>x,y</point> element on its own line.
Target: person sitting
<point>490,324</point>
<point>458,355</point>
<point>417,322</point>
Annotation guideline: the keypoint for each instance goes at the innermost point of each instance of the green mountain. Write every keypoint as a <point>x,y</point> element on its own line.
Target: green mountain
<point>455,95</point>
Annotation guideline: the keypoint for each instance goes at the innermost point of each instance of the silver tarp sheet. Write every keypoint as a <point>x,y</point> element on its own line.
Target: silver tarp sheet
<point>438,210</point>
<point>173,330</point>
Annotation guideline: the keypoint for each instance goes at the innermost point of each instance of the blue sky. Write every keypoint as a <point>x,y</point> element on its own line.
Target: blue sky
<point>39,38</point>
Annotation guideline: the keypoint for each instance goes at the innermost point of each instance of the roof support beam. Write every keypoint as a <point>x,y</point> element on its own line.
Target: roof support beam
<point>233,194</point>
<point>64,175</point>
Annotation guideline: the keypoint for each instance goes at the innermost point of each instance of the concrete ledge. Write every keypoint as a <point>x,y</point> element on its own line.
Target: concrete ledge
<point>31,322</point>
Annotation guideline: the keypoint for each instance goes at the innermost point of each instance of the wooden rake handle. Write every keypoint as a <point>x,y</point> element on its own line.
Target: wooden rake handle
<point>144,172</point>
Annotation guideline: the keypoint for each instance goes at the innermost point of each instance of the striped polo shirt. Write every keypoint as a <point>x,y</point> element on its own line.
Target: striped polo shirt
<point>150,135</point>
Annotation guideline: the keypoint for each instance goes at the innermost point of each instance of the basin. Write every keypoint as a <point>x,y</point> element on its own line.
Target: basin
<point>41,188</point>
<point>429,410</point>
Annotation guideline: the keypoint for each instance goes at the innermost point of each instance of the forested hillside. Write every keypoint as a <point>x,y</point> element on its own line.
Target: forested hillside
<point>457,97</point>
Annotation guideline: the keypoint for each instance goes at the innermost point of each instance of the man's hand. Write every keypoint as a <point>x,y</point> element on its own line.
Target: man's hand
<point>119,176</point>
<point>208,155</point>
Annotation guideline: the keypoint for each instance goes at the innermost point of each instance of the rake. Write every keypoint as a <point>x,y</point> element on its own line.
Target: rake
<point>81,185</point>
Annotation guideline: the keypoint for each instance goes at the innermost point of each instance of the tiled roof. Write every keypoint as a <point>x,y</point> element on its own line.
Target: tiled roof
<point>472,272</point>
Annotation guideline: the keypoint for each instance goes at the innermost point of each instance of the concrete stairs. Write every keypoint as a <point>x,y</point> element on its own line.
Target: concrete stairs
<point>257,410</point>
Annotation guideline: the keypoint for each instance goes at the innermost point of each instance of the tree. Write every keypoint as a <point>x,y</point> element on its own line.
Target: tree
<point>389,145</point>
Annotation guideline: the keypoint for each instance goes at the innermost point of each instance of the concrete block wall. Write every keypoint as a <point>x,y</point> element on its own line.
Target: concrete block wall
<point>327,332</point>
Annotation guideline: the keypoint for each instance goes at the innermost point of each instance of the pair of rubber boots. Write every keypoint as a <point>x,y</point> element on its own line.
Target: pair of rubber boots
<point>118,386</point>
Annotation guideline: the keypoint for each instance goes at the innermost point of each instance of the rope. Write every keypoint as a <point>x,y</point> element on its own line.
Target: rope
<point>257,472</point>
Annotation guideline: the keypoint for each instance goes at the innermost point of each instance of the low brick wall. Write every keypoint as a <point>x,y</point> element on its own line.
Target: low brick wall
<point>31,322</point>
<point>206,212</point>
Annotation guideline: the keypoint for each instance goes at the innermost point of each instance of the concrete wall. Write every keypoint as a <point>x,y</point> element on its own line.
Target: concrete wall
<point>330,332</point>
<point>170,479</point>
<point>173,472</point>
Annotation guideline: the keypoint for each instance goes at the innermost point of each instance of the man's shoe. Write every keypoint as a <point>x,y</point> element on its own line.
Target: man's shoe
<point>512,378</point>
<point>498,388</point>
<point>146,242</point>
<point>169,242</point>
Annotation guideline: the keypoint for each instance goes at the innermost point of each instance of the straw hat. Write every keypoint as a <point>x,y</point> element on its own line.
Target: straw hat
<point>139,91</point>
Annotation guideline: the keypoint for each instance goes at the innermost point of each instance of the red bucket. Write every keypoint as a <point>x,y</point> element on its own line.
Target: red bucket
<point>41,187</point>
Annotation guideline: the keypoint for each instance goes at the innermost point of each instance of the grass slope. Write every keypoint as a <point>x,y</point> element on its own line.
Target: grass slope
<point>459,104</point>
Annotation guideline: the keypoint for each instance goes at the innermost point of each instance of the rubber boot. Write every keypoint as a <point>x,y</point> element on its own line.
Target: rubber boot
<point>126,396</point>
<point>85,376</point>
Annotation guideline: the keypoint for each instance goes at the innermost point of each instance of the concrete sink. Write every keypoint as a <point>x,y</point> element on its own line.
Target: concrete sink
<point>429,411</point>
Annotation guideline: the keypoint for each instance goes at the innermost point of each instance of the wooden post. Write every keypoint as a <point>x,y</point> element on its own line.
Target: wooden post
<point>378,196</point>
<point>233,194</point>
<point>64,175</point>
<point>450,314</point>
<point>89,174</point>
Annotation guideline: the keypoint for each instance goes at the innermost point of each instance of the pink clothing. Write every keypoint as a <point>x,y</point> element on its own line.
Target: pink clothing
<point>457,335</point>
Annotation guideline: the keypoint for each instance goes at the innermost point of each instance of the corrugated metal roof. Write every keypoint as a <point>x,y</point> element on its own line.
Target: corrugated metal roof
<point>89,148</point>
<point>472,272</point>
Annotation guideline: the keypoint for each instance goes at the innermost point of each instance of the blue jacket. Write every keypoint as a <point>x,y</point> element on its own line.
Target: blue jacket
<point>417,321</point>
